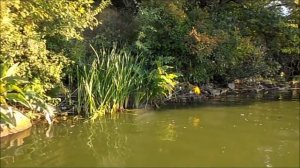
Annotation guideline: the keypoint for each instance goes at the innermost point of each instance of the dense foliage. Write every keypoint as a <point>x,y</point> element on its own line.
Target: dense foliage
<point>221,41</point>
<point>32,32</point>
<point>116,80</point>
<point>204,40</point>
<point>19,91</point>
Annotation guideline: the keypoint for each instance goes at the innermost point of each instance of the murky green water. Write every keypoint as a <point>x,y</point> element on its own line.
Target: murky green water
<point>216,134</point>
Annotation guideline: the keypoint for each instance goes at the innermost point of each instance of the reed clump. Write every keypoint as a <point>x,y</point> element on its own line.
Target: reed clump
<point>116,80</point>
<point>111,83</point>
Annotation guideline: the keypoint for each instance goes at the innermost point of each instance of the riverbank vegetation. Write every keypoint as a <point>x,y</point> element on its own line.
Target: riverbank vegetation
<point>113,55</point>
<point>116,80</point>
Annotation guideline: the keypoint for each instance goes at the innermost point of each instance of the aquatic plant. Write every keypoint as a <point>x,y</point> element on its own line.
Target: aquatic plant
<point>110,82</point>
<point>117,79</point>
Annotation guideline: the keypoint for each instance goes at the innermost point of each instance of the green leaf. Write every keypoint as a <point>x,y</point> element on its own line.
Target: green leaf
<point>15,79</point>
<point>4,118</point>
<point>12,70</point>
<point>3,70</point>
<point>2,89</point>
<point>11,88</point>
<point>2,100</point>
<point>17,97</point>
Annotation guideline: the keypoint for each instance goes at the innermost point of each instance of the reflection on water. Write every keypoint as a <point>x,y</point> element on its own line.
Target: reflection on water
<point>216,134</point>
<point>168,132</point>
<point>49,132</point>
<point>14,139</point>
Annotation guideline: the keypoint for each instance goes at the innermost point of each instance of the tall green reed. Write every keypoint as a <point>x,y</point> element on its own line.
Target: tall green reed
<point>112,82</point>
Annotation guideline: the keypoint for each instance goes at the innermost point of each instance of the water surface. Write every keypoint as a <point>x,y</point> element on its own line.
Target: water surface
<point>215,134</point>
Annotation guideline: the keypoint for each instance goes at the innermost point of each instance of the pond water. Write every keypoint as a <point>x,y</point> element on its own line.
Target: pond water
<point>218,133</point>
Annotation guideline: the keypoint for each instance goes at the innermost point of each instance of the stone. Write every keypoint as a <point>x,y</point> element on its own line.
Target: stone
<point>231,86</point>
<point>216,92</point>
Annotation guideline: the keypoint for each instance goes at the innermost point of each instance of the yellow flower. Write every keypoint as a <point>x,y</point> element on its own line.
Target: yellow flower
<point>197,90</point>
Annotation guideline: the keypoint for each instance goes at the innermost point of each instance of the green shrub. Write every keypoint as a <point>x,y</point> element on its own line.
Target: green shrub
<point>216,41</point>
<point>160,82</point>
<point>30,28</point>
<point>118,26</point>
<point>161,34</point>
<point>15,90</point>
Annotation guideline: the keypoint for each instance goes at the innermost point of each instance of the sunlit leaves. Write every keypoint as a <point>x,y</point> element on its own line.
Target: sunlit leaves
<point>110,82</point>
<point>26,27</point>
<point>15,90</point>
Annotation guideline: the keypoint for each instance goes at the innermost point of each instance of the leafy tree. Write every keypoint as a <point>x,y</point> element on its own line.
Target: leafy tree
<point>161,31</point>
<point>276,25</point>
<point>27,28</point>
<point>222,39</point>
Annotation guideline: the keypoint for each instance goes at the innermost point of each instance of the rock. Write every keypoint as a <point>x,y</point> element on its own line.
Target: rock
<point>216,92</point>
<point>295,83</point>
<point>231,86</point>
<point>267,83</point>
<point>19,120</point>
<point>238,83</point>
<point>259,88</point>
<point>224,91</point>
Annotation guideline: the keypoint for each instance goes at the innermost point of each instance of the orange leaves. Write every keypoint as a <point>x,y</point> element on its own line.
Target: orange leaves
<point>203,38</point>
<point>197,42</point>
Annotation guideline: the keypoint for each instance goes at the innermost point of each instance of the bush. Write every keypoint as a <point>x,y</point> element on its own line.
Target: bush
<point>160,34</point>
<point>16,91</point>
<point>26,27</point>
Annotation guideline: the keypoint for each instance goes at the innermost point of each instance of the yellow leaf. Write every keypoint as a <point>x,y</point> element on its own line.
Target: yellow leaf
<point>197,90</point>
<point>81,10</point>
